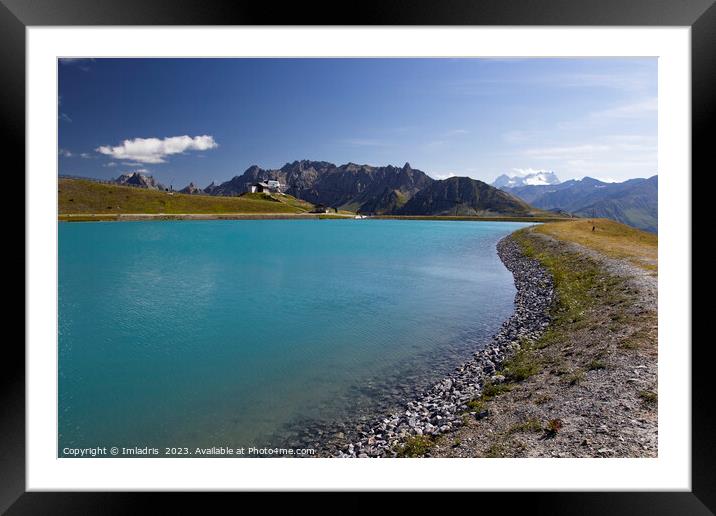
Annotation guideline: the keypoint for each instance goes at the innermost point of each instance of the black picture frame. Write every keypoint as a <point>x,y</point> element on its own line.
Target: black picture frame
<point>700,15</point>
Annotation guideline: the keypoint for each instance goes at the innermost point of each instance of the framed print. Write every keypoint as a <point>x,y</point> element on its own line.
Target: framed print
<point>417,250</point>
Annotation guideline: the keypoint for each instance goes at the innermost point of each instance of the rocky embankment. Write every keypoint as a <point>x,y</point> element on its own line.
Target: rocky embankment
<point>441,409</point>
<point>587,388</point>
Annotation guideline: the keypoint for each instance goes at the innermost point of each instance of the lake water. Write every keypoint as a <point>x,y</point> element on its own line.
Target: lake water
<point>243,333</point>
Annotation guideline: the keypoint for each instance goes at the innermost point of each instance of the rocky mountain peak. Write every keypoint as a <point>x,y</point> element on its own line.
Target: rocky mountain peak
<point>192,189</point>
<point>138,178</point>
<point>532,178</point>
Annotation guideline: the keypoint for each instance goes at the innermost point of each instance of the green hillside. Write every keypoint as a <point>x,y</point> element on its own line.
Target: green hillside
<point>77,196</point>
<point>464,196</point>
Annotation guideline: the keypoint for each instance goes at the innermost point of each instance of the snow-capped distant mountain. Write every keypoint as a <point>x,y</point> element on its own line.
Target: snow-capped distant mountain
<point>539,177</point>
<point>633,202</point>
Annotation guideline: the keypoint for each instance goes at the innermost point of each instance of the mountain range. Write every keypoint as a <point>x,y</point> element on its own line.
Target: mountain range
<point>361,188</point>
<point>633,202</point>
<point>379,190</point>
<point>391,190</point>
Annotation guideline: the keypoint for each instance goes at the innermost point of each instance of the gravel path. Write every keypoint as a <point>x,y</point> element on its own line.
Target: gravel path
<point>645,281</point>
<point>596,393</point>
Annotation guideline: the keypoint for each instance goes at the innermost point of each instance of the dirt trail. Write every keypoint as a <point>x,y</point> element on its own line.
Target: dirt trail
<point>594,394</point>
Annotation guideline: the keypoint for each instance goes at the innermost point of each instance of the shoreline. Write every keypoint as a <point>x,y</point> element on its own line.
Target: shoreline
<point>442,407</point>
<point>119,217</point>
<point>589,386</point>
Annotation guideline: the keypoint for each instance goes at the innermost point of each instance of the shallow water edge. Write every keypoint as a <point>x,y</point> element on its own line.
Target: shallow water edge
<point>440,409</point>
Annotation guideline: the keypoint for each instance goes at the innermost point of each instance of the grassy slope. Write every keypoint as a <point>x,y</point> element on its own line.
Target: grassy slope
<point>464,196</point>
<point>593,327</point>
<point>78,196</point>
<point>610,238</point>
<point>641,217</point>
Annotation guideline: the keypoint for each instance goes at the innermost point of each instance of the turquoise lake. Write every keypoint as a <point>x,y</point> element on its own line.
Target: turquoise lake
<point>246,333</point>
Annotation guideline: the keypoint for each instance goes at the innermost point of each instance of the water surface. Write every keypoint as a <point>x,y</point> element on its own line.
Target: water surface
<point>216,333</point>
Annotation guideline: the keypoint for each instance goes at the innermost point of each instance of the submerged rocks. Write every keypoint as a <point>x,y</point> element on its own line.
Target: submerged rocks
<point>440,409</point>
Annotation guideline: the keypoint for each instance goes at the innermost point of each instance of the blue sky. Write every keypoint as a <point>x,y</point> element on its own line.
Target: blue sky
<point>205,120</point>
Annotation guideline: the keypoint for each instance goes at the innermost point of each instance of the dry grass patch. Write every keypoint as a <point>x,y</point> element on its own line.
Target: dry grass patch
<point>610,238</point>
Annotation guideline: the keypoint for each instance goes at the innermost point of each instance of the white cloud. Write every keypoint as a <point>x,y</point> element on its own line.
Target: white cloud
<point>63,116</point>
<point>155,150</point>
<point>65,153</point>
<point>110,164</point>
<point>441,176</point>
<point>85,155</point>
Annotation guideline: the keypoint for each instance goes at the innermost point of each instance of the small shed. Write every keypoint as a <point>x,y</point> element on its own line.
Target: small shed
<point>265,186</point>
<point>320,208</point>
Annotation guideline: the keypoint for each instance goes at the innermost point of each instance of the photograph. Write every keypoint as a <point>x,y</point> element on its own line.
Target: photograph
<point>357,257</point>
<point>417,248</point>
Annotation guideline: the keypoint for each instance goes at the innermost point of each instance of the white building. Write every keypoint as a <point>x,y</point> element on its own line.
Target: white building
<point>269,186</point>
